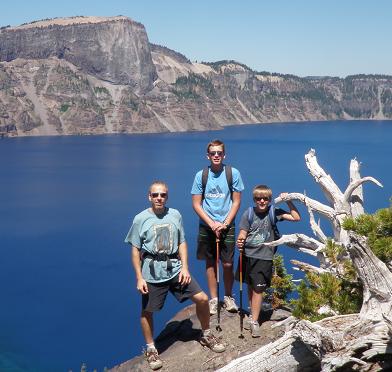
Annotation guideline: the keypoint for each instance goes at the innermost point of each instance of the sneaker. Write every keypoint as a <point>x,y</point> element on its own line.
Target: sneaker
<point>230,304</point>
<point>212,343</point>
<point>213,306</point>
<point>255,329</point>
<point>247,322</point>
<point>153,359</point>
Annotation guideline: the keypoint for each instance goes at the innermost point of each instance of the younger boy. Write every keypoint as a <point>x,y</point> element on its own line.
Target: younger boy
<point>255,229</point>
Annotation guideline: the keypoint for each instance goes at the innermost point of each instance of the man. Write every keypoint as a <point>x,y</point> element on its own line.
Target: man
<point>160,260</point>
<point>216,203</point>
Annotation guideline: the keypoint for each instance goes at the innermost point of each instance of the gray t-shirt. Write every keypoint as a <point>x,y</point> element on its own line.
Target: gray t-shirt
<point>259,232</point>
<point>154,234</point>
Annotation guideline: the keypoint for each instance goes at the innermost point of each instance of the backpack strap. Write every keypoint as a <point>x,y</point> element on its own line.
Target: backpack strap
<point>229,179</point>
<point>251,214</point>
<point>204,178</point>
<point>273,219</point>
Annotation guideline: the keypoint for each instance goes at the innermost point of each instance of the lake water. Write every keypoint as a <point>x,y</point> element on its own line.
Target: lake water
<point>67,286</point>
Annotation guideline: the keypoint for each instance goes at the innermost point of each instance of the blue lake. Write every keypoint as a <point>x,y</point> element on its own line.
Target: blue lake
<point>66,281</point>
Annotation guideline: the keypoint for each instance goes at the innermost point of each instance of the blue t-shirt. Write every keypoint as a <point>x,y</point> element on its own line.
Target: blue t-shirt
<point>217,197</point>
<point>157,234</point>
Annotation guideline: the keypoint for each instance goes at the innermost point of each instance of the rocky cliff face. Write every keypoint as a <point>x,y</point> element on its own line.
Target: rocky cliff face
<point>89,75</point>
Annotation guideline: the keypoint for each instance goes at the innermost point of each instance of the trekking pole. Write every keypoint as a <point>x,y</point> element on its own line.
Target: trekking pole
<point>241,309</point>
<point>218,327</point>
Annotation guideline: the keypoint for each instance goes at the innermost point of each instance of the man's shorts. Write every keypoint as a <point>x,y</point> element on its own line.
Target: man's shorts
<point>206,244</point>
<point>256,273</point>
<point>157,292</point>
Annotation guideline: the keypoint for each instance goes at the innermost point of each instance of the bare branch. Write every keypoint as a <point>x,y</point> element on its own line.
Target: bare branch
<point>315,205</point>
<point>316,227</point>
<point>353,185</point>
<point>301,242</point>
<point>356,199</point>
<point>303,266</point>
<point>329,187</point>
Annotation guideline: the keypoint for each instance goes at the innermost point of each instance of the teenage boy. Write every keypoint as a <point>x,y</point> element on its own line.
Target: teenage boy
<point>217,203</point>
<point>255,229</point>
<point>160,261</point>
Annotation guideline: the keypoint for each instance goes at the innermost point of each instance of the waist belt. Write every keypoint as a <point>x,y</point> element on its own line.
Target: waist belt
<point>160,257</point>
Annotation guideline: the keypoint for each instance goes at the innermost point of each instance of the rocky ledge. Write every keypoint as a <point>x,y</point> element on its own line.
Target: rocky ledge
<point>180,351</point>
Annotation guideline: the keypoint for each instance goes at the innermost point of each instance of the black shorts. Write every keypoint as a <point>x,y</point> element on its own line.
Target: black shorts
<point>256,273</point>
<point>206,244</point>
<point>157,292</point>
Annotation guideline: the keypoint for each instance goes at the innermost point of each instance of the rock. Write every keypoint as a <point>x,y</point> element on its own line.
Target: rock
<point>180,351</point>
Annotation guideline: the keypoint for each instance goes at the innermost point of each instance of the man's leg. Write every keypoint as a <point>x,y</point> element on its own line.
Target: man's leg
<point>203,314</point>
<point>146,321</point>
<point>202,309</point>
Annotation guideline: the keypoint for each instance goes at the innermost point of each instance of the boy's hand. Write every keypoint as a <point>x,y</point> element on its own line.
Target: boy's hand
<point>240,243</point>
<point>283,195</point>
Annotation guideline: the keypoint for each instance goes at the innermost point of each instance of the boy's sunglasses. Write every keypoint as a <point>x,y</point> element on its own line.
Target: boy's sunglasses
<point>258,198</point>
<point>156,194</point>
<point>213,153</point>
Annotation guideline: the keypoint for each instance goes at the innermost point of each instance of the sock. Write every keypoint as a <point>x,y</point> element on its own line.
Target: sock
<point>151,347</point>
<point>206,332</point>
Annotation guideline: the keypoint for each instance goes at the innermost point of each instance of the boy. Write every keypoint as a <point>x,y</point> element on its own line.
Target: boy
<point>255,229</point>
<point>216,203</point>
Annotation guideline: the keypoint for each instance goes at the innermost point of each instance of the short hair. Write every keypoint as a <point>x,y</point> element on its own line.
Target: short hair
<point>215,142</point>
<point>158,182</point>
<point>262,189</point>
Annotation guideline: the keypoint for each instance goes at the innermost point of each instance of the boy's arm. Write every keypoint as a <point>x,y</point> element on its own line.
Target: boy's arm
<point>197,206</point>
<point>184,276</point>
<point>141,284</point>
<point>241,238</point>
<point>293,215</point>
<point>235,206</point>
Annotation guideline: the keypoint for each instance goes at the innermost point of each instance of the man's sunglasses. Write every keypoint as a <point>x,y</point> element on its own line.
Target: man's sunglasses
<point>258,198</point>
<point>213,153</point>
<point>156,194</point>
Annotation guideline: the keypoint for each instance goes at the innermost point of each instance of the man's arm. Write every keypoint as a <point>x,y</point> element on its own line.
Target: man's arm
<point>141,284</point>
<point>184,276</point>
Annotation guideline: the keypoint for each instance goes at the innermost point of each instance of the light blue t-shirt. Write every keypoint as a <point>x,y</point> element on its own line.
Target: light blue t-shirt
<point>157,234</point>
<point>217,197</point>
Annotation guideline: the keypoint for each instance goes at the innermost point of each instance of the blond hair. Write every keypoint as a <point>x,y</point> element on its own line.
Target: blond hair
<point>262,189</point>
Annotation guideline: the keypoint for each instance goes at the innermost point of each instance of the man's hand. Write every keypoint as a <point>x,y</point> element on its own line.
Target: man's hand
<point>184,277</point>
<point>141,286</point>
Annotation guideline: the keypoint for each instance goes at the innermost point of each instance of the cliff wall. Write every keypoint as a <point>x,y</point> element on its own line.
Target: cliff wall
<point>91,75</point>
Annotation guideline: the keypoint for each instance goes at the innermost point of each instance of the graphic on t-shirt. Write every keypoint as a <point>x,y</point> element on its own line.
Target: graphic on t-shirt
<point>261,233</point>
<point>216,192</point>
<point>163,238</point>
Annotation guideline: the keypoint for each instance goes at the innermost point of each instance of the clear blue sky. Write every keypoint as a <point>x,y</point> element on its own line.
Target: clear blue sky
<point>301,37</point>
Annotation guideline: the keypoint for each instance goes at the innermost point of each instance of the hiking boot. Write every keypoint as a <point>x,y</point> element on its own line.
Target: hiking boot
<point>247,322</point>
<point>230,304</point>
<point>153,359</point>
<point>255,329</point>
<point>213,306</point>
<point>212,343</point>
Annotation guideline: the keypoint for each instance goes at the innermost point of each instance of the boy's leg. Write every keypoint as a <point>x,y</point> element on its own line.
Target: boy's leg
<point>211,278</point>
<point>257,299</point>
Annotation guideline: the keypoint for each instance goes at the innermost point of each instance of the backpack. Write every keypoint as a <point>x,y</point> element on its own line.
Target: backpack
<point>229,179</point>
<point>272,217</point>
